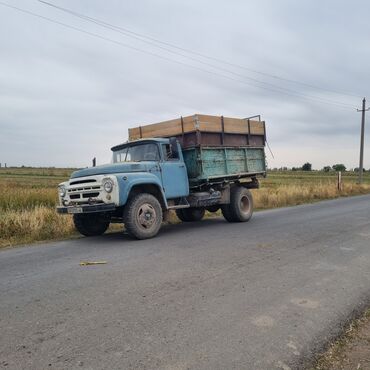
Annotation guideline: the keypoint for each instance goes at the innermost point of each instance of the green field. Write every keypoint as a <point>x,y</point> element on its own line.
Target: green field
<point>28,197</point>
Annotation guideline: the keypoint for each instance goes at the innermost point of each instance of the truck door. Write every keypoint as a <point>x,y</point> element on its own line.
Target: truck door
<point>174,174</point>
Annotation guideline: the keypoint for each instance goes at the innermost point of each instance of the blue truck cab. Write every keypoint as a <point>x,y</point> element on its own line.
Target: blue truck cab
<point>149,177</point>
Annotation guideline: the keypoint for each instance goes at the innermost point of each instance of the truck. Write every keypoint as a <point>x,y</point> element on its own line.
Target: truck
<point>189,165</point>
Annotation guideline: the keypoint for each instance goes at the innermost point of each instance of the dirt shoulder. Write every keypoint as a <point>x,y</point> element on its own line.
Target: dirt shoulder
<point>351,351</point>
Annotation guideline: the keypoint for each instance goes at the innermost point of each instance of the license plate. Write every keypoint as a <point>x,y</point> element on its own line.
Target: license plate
<point>75,210</point>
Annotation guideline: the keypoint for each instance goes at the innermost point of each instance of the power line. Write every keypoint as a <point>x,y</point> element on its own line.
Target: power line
<point>124,32</point>
<point>315,99</point>
<point>142,38</point>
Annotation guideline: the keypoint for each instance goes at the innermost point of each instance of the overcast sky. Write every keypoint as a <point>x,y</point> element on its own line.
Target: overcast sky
<point>67,96</point>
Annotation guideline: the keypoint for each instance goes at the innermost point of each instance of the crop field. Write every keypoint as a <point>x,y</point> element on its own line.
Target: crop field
<point>288,188</point>
<point>27,205</point>
<point>28,197</point>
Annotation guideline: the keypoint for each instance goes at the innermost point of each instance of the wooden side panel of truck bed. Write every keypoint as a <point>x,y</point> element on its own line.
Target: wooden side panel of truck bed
<point>199,123</point>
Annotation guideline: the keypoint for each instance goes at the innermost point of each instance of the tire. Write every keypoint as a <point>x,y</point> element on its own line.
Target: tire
<point>143,216</point>
<point>213,208</point>
<point>240,208</point>
<point>91,224</point>
<point>190,214</point>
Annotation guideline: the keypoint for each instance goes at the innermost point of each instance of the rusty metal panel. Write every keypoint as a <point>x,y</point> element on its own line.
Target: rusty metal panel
<point>204,163</point>
<point>236,140</point>
<point>256,140</point>
<point>191,139</point>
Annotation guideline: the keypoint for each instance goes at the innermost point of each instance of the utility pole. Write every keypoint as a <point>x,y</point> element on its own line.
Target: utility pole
<point>361,169</point>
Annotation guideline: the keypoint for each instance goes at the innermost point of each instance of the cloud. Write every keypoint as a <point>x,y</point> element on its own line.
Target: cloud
<point>67,97</point>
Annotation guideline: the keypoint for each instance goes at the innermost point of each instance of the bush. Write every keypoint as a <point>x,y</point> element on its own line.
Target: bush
<point>339,167</point>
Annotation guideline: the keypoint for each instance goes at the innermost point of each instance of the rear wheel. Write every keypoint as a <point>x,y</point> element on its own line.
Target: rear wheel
<point>240,208</point>
<point>143,216</point>
<point>91,224</point>
<point>190,214</point>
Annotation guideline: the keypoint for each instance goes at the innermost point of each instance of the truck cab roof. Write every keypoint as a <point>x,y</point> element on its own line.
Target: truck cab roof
<point>140,141</point>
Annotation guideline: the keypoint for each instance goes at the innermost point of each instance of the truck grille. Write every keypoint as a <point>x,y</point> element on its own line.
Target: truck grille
<point>84,195</point>
<point>86,190</point>
<point>81,181</point>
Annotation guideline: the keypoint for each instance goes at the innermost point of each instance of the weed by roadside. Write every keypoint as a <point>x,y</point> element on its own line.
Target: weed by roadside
<point>36,224</point>
<point>351,351</point>
<point>292,194</point>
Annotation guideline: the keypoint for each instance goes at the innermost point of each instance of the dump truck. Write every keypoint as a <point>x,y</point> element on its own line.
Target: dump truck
<point>190,165</point>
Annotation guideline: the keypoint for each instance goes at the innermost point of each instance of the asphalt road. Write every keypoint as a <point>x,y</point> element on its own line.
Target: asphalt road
<point>211,295</point>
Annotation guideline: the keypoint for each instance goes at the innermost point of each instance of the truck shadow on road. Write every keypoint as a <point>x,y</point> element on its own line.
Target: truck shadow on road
<point>203,228</point>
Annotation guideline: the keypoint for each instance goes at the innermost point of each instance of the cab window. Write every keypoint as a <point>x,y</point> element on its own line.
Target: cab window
<point>137,153</point>
<point>167,153</point>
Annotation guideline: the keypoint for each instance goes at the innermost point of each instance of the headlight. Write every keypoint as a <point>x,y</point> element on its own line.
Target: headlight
<point>62,191</point>
<point>108,185</point>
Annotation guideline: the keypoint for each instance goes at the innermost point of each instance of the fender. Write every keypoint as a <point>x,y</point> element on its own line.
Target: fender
<point>126,181</point>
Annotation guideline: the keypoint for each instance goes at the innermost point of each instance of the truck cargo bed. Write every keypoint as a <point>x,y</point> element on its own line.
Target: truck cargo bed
<point>214,164</point>
<point>201,129</point>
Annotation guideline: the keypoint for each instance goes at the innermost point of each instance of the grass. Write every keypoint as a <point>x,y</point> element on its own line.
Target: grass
<point>28,197</point>
<point>34,224</point>
<point>350,350</point>
<point>288,188</point>
<point>290,194</point>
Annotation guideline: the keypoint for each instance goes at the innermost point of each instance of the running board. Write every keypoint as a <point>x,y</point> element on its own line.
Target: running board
<point>183,203</point>
<point>179,206</point>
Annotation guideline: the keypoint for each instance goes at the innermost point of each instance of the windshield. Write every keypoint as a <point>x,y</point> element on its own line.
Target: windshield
<point>137,153</point>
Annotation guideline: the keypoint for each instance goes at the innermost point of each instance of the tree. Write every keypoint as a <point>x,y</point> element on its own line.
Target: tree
<point>326,169</point>
<point>339,167</point>
<point>307,167</point>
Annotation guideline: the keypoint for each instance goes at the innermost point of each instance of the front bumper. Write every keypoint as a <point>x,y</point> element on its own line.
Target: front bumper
<point>87,208</point>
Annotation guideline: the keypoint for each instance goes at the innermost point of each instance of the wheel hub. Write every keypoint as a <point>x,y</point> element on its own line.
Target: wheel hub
<point>244,204</point>
<point>146,215</point>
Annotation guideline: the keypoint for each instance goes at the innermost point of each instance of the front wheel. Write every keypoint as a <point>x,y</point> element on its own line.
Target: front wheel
<point>240,208</point>
<point>143,216</point>
<point>91,224</point>
<point>190,214</point>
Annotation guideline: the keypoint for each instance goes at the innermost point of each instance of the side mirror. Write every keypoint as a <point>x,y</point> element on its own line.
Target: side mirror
<point>174,148</point>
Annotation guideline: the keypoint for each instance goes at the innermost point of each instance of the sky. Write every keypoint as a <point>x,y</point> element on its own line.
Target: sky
<point>67,96</point>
